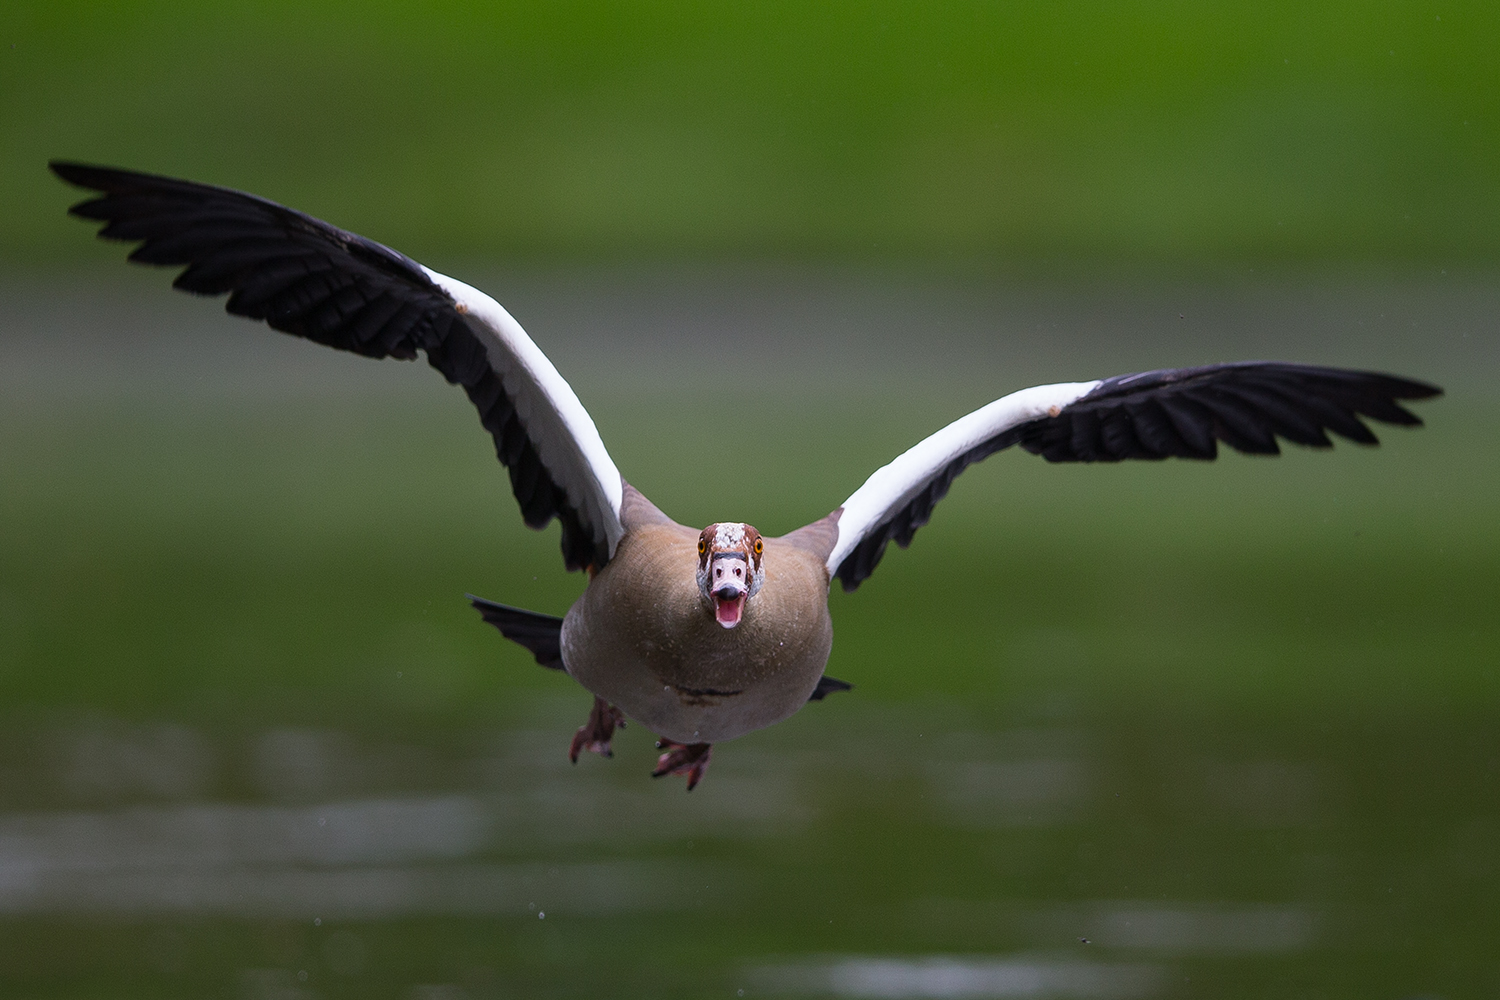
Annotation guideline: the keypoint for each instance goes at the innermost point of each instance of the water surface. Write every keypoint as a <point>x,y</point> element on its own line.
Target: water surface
<point>1158,730</point>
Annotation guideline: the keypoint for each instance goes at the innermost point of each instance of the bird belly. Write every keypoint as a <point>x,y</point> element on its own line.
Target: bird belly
<point>642,638</point>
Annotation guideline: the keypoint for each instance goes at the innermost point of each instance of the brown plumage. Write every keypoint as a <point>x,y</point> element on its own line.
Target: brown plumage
<point>643,637</point>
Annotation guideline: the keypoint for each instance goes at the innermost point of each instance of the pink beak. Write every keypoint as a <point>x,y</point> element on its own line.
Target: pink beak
<point>727,611</point>
<point>729,587</point>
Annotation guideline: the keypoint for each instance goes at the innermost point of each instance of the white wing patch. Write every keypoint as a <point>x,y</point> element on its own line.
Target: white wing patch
<point>556,422</point>
<point>893,486</point>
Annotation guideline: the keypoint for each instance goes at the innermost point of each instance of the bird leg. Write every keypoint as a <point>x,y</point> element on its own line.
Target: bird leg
<point>595,734</point>
<point>690,759</point>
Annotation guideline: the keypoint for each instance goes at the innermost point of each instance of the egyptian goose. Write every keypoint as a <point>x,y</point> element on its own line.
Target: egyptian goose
<point>701,636</point>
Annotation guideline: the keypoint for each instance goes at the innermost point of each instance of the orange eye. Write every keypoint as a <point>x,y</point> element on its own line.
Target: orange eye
<point>702,546</point>
<point>758,546</point>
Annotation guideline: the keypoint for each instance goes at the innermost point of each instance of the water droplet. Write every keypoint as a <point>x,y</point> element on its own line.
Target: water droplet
<point>541,915</point>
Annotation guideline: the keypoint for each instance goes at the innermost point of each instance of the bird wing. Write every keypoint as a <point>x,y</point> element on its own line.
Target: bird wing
<point>1181,412</point>
<point>308,278</point>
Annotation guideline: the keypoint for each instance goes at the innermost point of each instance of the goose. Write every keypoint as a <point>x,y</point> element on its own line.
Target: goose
<point>699,635</point>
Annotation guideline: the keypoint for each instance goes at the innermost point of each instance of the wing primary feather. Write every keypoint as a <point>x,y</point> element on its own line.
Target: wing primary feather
<point>1287,418</point>
<point>1235,423</point>
<point>372,325</point>
<point>305,277</point>
<point>1084,441</point>
<point>1154,429</point>
<point>1193,423</point>
<point>252,294</point>
<point>1182,412</point>
<point>1340,420</point>
<point>1118,437</point>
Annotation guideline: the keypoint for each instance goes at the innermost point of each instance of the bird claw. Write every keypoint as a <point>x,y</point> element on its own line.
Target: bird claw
<point>690,759</point>
<point>595,734</point>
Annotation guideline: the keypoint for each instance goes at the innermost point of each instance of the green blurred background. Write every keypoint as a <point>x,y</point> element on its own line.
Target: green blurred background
<point>1171,134</point>
<point>1176,729</point>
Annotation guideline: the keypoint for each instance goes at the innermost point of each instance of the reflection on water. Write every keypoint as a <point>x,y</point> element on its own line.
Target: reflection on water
<point>325,869</point>
<point>1201,928</point>
<point>1140,925</point>
<point>945,976</point>
<point>365,893</point>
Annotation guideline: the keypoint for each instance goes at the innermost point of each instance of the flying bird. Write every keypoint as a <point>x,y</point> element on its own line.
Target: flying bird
<point>700,635</point>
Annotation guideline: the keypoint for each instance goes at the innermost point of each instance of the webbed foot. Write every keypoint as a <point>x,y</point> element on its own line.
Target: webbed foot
<point>595,734</point>
<point>690,759</point>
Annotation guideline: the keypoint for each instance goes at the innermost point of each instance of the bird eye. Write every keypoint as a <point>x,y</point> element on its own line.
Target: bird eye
<point>758,546</point>
<point>702,546</point>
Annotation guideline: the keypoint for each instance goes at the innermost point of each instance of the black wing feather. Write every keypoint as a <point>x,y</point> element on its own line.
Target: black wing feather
<point>1177,412</point>
<point>305,277</point>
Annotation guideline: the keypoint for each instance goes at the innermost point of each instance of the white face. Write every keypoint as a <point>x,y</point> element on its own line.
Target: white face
<point>729,569</point>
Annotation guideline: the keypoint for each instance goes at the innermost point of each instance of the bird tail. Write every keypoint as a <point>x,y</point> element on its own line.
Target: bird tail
<point>827,685</point>
<point>541,634</point>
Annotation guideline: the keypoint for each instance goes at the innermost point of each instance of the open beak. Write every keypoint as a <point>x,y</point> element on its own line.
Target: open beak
<point>729,586</point>
<point>729,604</point>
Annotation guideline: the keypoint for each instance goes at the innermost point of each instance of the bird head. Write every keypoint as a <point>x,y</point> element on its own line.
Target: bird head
<point>729,569</point>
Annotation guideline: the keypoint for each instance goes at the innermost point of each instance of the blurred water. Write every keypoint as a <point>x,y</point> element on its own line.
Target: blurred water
<point>244,754</point>
<point>609,332</point>
<point>861,853</point>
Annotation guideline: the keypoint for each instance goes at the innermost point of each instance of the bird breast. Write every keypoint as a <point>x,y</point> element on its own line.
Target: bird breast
<point>643,638</point>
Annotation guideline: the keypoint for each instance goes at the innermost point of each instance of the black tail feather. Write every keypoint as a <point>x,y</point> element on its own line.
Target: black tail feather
<point>542,634</point>
<point>826,685</point>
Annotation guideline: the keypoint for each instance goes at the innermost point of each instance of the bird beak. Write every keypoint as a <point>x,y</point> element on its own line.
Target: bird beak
<point>729,586</point>
<point>728,610</point>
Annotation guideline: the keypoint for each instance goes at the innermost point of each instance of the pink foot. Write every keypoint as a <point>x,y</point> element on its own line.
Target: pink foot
<point>690,759</point>
<point>595,734</point>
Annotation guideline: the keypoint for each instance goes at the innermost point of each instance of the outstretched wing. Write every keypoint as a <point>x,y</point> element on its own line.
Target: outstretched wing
<point>1181,412</point>
<point>308,278</point>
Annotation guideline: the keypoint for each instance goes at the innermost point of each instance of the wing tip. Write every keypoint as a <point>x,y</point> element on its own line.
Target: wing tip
<point>88,176</point>
<point>1421,390</point>
<point>71,171</point>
